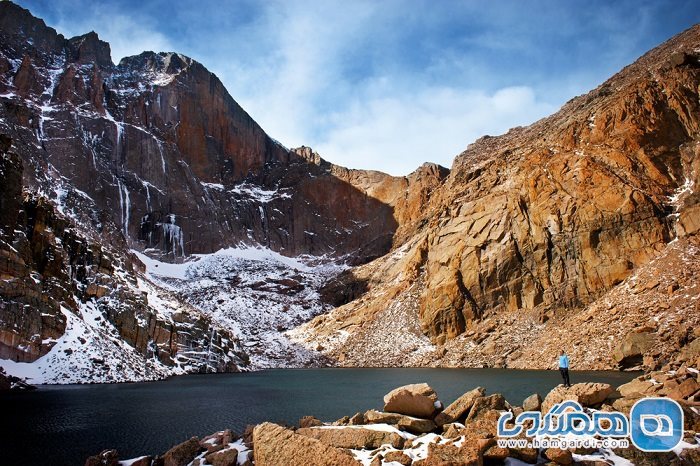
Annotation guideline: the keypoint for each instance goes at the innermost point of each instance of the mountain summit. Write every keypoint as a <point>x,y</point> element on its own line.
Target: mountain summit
<point>151,227</point>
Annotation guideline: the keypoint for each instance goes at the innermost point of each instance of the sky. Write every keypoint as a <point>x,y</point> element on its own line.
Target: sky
<point>387,85</point>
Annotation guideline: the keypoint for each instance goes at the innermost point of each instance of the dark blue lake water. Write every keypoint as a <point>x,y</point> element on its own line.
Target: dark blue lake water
<point>63,425</point>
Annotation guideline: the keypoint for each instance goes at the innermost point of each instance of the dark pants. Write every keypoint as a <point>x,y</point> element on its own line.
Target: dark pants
<point>565,375</point>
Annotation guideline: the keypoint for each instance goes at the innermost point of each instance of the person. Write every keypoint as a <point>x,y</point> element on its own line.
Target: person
<point>564,367</point>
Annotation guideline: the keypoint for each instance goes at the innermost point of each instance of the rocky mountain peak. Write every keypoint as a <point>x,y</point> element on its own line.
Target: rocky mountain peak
<point>90,49</point>
<point>24,33</point>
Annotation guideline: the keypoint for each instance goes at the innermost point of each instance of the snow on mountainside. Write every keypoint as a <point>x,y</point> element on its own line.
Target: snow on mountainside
<point>255,292</point>
<point>154,155</point>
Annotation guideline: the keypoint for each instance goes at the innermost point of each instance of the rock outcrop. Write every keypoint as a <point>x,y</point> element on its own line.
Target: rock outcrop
<point>417,400</point>
<point>276,445</point>
<point>540,232</point>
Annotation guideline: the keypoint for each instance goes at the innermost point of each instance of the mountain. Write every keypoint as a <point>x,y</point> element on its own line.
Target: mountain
<point>153,155</point>
<point>149,227</point>
<point>577,232</point>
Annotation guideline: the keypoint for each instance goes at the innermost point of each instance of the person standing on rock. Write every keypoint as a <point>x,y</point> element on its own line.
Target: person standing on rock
<point>564,367</point>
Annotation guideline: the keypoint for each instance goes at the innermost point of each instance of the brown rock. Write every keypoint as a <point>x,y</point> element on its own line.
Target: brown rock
<point>411,424</point>
<point>532,403</point>
<point>357,420</point>
<point>416,400</point>
<point>690,456</point>
<point>450,455</point>
<point>588,394</point>
<point>275,445</point>
<point>687,388</point>
<point>559,456</point>
<point>484,404</point>
<point>398,457</point>
<point>642,458</point>
<point>496,454</point>
<point>248,435</point>
<point>223,458</point>
<point>357,438</point>
<point>631,349</point>
<point>182,454</point>
<point>638,388</point>
<point>624,405</point>
<point>309,421</point>
<point>459,408</point>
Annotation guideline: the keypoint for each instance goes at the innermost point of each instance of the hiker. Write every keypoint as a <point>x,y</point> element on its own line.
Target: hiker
<point>564,367</point>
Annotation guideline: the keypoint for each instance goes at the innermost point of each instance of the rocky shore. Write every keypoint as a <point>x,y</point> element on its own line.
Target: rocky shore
<point>415,428</point>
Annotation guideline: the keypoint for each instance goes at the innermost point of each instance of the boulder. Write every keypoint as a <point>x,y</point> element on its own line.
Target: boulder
<point>309,421</point>
<point>451,455</point>
<point>683,391</point>
<point>411,424</point>
<point>182,454</point>
<point>418,400</point>
<point>223,458</point>
<point>624,405</point>
<point>105,458</point>
<point>356,438</point>
<point>459,408</point>
<point>643,458</point>
<point>638,388</point>
<point>275,445</point>
<point>532,402</point>
<point>559,456</point>
<point>631,349</point>
<point>398,457</point>
<point>484,404</point>
<point>496,454</point>
<point>357,420</point>
<point>588,394</point>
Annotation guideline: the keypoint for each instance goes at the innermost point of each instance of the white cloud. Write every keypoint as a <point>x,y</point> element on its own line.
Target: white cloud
<point>126,35</point>
<point>396,134</point>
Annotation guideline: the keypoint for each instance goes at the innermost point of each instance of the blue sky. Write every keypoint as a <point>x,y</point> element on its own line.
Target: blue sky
<point>387,85</point>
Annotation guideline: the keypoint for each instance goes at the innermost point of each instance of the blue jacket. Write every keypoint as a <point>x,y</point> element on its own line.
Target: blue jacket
<point>564,361</point>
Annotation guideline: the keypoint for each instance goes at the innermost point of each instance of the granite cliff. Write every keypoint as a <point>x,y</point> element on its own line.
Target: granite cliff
<point>536,235</point>
<point>141,205</point>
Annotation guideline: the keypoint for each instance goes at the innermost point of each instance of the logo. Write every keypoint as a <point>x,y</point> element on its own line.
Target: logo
<point>656,424</point>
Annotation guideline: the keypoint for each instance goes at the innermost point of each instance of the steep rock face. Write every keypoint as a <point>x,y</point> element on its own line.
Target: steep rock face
<point>557,213</point>
<point>532,226</point>
<point>51,274</point>
<point>154,155</point>
<point>166,155</point>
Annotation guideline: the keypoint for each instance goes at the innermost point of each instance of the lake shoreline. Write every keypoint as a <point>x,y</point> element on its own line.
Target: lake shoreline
<point>414,428</point>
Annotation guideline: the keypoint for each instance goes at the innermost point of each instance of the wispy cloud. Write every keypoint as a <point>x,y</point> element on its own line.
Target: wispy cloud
<point>387,85</point>
<point>127,35</point>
